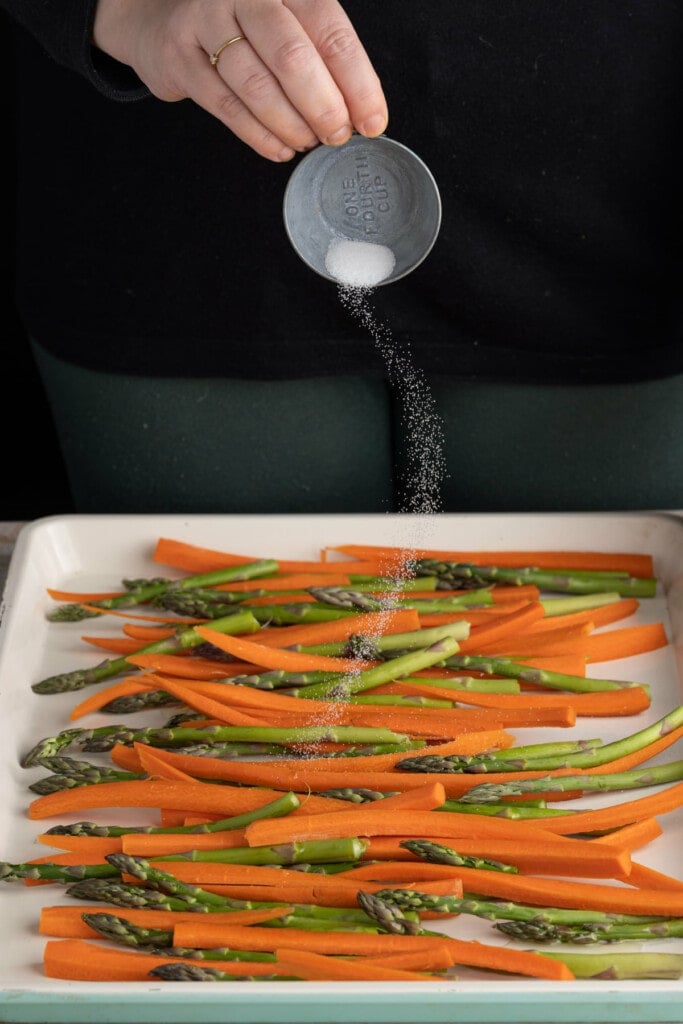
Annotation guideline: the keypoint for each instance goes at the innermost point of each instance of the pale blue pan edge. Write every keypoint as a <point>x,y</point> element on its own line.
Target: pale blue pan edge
<point>219,1007</point>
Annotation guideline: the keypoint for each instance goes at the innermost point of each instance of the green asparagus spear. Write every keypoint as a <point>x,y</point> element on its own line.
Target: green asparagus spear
<point>274,809</point>
<point>389,916</point>
<point>189,899</point>
<point>297,735</point>
<point>191,972</point>
<point>437,853</point>
<point>398,667</point>
<point>204,605</point>
<point>313,851</point>
<point>55,872</point>
<point>409,899</point>
<point>389,642</point>
<point>590,934</point>
<point>620,966</point>
<point>265,681</point>
<point>574,582</point>
<point>539,677</point>
<point>495,760</point>
<point>123,894</point>
<point>56,783</point>
<point>183,640</point>
<point>143,591</point>
<point>120,930</point>
<point>656,775</point>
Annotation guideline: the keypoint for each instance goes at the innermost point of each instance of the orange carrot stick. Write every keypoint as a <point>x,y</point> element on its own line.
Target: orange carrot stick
<point>207,706</point>
<point>294,661</point>
<point>302,597</point>
<point>531,647</point>
<point>402,620</point>
<point>633,563</point>
<point>628,701</point>
<point>302,963</point>
<point>149,634</point>
<point>125,757</point>
<point>67,922</point>
<point>113,644</point>
<point>572,893</point>
<point>305,890</point>
<point>503,627</point>
<point>302,778</point>
<point>577,860</point>
<point>626,642</point>
<point>425,960</point>
<point>653,805</point>
<point>82,960</point>
<point>289,581</point>
<point>216,768</point>
<point>632,836</point>
<point>288,884</point>
<point>605,615</point>
<point>205,935</point>
<point>97,700</point>
<point>475,616</point>
<point>273,709</point>
<point>87,846</point>
<point>530,641</point>
<point>157,768</point>
<point>79,597</point>
<point>194,667</point>
<point>223,800</point>
<point>151,845</point>
<point>568,664</point>
<point>194,558</point>
<point>371,820</point>
<point>129,614</point>
<point>509,597</point>
<point>647,878</point>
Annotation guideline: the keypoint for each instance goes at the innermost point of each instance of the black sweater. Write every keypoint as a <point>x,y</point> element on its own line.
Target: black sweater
<point>150,240</point>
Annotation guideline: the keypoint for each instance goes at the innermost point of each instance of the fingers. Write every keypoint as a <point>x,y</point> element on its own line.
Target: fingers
<point>210,91</point>
<point>338,45</point>
<point>253,89</point>
<point>313,51</point>
<point>298,77</point>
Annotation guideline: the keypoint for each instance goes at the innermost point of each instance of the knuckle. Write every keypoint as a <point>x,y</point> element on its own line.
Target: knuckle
<point>230,106</point>
<point>292,57</point>
<point>338,44</point>
<point>327,121</point>
<point>257,85</point>
<point>267,144</point>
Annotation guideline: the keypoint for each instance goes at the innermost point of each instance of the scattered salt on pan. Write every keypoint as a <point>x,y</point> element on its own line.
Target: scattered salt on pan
<point>359,264</point>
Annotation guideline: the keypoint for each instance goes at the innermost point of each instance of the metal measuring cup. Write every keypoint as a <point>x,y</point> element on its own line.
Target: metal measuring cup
<point>368,190</point>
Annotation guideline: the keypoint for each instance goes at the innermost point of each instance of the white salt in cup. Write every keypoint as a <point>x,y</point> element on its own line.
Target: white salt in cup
<point>374,191</point>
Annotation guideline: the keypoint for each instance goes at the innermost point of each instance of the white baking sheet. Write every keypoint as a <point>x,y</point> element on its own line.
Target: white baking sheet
<point>96,552</point>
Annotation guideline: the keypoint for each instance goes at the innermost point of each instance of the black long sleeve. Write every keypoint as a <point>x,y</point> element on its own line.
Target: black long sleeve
<point>151,240</point>
<point>64,31</point>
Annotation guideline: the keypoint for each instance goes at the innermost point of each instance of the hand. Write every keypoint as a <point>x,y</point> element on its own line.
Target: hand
<point>299,77</point>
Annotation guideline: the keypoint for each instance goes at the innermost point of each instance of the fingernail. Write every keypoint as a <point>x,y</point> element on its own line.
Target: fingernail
<point>285,154</point>
<point>341,135</point>
<point>374,125</point>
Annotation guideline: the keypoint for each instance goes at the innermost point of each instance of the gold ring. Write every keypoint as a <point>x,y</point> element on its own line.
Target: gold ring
<point>213,59</point>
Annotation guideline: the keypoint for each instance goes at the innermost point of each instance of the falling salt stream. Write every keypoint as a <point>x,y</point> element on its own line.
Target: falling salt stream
<point>358,267</point>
